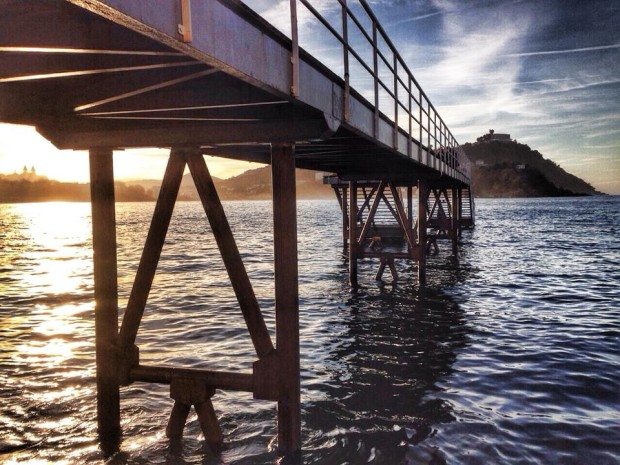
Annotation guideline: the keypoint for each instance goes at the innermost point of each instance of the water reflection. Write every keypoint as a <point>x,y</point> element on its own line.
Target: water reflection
<point>396,344</point>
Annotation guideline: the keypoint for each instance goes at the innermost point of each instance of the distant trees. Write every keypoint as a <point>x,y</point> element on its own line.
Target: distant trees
<point>43,189</point>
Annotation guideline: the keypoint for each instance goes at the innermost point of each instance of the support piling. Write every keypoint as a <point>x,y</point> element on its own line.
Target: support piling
<point>106,295</point>
<point>287,297</point>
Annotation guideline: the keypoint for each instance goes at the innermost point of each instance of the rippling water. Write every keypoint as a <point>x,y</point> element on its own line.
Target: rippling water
<point>512,357</point>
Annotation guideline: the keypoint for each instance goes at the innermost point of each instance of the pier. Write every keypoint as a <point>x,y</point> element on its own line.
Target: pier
<point>212,77</point>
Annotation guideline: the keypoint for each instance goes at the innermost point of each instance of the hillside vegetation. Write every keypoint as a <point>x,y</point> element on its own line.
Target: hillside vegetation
<point>511,169</point>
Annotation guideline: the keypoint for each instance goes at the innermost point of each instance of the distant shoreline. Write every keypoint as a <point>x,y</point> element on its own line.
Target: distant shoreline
<point>304,198</point>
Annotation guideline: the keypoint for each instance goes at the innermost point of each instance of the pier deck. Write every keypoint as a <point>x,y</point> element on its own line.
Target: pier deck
<point>212,77</point>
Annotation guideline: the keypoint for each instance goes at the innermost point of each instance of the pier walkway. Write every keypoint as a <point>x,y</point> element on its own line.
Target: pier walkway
<point>211,77</point>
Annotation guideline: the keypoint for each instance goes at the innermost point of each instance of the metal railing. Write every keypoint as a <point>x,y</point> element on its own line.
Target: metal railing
<point>433,136</point>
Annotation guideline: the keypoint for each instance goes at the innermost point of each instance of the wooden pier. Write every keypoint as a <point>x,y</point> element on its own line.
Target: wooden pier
<point>212,77</point>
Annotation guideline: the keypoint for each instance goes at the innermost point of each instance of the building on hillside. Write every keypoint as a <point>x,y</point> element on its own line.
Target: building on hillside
<point>492,135</point>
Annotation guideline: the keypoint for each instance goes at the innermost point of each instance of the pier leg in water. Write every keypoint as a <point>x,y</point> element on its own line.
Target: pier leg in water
<point>345,217</point>
<point>459,192</point>
<point>455,222</point>
<point>106,297</point>
<point>353,233</point>
<point>422,198</point>
<point>287,297</point>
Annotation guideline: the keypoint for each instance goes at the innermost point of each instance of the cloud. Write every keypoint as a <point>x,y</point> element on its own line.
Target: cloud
<point>570,50</point>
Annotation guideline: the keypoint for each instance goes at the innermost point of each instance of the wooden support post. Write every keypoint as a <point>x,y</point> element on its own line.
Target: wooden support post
<point>106,295</point>
<point>410,205</point>
<point>178,418</point>
<point>187,392</point>
<point>353,233</point>
<point>422,199</point>
<point>460,210</point>
<point>345,217</point>
<point>287,296</point>
<point>152,249</point>
<point>455,222</point>
<point>230,253</point>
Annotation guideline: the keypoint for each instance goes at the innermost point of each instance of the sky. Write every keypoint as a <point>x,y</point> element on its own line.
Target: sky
<point>547,72</point>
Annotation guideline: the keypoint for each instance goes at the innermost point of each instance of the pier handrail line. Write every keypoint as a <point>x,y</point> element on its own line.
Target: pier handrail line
<point>440,142</point>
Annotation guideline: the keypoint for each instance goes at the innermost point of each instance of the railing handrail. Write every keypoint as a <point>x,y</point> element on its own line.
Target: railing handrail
<point>446,147</point>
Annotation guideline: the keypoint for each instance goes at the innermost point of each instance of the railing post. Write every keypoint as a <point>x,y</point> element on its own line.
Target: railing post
<point>421,125</point>
<point>294,50</point>
<point>395,61</point>
<point>345,38</point>
<point>375,67</point>
<point>185,28</point>
<point>106,295</point>
<point>428,133</point>
<point>409,117</point>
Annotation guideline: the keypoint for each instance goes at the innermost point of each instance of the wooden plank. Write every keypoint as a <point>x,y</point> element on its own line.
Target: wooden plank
<point>230,253</point>
<point>152,248</point>
<point>106,294</point>
<point>215,379</point>
<point>287,296</point>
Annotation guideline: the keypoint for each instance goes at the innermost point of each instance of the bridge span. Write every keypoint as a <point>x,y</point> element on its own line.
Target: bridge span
<point>211,77</point>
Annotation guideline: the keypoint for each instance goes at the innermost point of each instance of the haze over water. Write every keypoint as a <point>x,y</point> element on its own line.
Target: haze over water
<point>511,357</point>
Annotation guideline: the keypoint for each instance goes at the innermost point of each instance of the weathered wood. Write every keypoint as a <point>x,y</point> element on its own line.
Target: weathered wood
<point>216,379</point>
<point>455,222</point>
<point>134,134</point>
<point>371,215</point>
<point>230,253</point>
<point>460,211</point>
<point>353,244</point>
<point>403,218</point>
<point>209,425</point>
<point>152,248</point>
<point>286,296</point>
<point>345,217</point>
<point>185,28</point>
<point>381,269</point>
<point>366,202</point>
<point>410,204</point>
<point>422,199</point>
<point>177,420</point>
<point>106,293</point>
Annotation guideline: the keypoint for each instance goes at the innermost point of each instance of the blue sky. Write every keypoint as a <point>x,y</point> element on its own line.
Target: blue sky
<point>547,72</point>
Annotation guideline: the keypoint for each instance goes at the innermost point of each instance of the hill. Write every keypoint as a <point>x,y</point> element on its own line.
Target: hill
<point>253,184</point>
<point>506,168</point>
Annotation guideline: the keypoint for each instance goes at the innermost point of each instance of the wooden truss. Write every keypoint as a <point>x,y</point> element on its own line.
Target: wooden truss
<point>275,373</point>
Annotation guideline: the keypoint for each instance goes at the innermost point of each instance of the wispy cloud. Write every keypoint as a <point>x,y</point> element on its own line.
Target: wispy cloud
<point>570,50</point>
